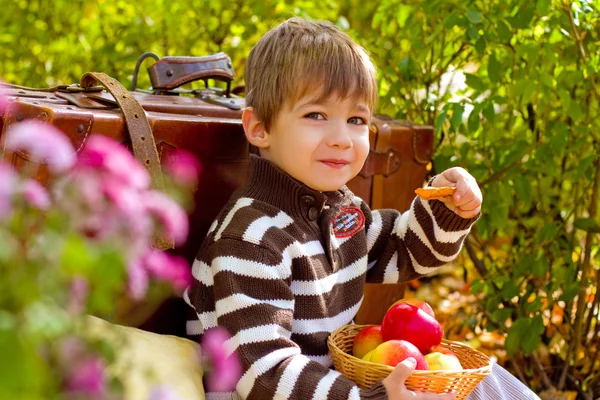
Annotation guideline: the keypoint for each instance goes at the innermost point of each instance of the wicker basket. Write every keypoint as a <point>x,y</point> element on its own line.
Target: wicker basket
<point>365,374</point>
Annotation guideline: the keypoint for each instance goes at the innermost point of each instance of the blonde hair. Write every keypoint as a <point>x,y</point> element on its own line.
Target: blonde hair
<point>298,57</point>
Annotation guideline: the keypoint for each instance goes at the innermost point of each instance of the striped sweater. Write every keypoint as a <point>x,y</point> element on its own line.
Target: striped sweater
<point>283,266</point>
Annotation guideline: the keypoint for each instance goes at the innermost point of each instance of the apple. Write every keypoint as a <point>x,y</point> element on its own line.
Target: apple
<point>367,356</point>
<point>443,350</point>
<point>393,352</point>
<point>405,321</point>
<point>366,340</point>
<point>418,303</point>
<point>443,361</point>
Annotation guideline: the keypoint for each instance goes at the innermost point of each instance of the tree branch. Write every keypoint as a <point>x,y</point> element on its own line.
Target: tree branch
<point>478,262</point>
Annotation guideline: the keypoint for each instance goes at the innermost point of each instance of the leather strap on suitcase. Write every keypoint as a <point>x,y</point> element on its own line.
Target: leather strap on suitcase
<point>140,134</point>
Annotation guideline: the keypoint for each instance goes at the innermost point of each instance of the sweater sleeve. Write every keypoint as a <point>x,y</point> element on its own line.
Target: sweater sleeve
<point>254,302</point>
<point>405,246</point>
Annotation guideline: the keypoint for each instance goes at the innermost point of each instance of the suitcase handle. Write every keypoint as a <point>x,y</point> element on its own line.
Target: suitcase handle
<point>171,72</point>
<point>140,133</point>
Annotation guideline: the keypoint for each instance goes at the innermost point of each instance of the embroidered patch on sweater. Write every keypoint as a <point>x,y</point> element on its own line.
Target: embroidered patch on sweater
<point>348,222</point>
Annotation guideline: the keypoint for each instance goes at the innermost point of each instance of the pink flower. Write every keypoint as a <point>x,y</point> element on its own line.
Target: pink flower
<point>171,216</point>
<point>8,181</point>
<point>43,143</point>
<point>107,154</point>
<point>137,280</point>
<point>87,377</point>
<point>225,370</point>
<point>183,166</point>
<point>169,268</point>
<point>35,194</point>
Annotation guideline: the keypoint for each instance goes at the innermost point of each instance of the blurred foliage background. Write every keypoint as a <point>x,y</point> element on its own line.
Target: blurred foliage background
<point>511,87</point>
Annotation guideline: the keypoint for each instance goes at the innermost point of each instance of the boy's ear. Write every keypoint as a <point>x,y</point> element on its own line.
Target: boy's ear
<point>254,129</point>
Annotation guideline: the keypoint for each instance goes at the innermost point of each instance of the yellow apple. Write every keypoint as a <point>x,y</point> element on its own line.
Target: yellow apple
<point>367,356</point>
<point>442,361</point>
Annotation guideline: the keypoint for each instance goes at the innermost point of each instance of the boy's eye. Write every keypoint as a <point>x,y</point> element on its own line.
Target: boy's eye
<point>314,115</point>
<point>357,121</point>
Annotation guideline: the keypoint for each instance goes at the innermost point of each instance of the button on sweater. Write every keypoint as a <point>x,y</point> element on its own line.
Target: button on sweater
<point>284,265</point>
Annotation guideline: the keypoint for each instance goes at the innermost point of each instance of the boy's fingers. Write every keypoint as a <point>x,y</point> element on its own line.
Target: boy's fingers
<point>434,396</point>
<point>462,190</point>
<point>468,214</point>
<point>403,370</point>
<point>471,205</point>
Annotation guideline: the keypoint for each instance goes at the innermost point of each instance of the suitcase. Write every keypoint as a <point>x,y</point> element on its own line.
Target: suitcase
<point>207,123</point>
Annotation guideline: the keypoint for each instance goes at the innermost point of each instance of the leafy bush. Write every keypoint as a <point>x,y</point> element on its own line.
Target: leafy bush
<point>510,85</point>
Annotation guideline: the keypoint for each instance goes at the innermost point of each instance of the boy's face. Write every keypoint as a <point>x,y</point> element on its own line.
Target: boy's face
<point>324,144</point>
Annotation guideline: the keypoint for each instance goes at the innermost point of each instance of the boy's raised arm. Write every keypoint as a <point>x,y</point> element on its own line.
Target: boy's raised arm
<point>405,246</point>
<point>251,286</point>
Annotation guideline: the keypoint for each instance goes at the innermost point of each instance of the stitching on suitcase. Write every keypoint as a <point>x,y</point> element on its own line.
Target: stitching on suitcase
<point>87,133</point>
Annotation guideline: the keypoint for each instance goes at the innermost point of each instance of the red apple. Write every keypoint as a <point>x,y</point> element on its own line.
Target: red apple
<point>443,350</point>
<point>418,303</point>
<point>393,352</point>
<point>366,340</point>
<point>407,322</point>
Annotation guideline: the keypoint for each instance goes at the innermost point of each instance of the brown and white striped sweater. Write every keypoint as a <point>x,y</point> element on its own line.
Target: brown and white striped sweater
<point>272,271</point>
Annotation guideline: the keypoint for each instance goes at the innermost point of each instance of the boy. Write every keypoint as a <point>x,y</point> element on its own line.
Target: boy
<point>281,266</point>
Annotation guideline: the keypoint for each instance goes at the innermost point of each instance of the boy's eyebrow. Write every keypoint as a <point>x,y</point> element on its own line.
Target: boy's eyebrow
<point>310,103</point>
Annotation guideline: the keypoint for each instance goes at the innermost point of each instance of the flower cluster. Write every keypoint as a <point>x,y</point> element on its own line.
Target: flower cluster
<point>74,244</point>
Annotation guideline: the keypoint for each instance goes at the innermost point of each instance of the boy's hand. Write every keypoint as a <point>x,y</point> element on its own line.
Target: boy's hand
<point>394,384</point>
<point>466,201</point>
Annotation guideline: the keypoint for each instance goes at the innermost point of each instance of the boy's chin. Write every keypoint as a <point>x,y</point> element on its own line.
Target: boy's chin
<point>324,187</point>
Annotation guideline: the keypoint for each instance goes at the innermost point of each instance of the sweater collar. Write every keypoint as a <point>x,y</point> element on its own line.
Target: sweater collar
<point>270,184</point>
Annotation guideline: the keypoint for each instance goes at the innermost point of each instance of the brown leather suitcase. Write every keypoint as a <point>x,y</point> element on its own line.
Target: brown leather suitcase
<point>207,123</point>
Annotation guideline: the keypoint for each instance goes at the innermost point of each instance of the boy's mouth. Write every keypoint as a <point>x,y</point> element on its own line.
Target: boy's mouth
<point>333,163</point>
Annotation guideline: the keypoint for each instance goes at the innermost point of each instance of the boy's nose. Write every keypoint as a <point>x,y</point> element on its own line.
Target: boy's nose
<point>339,137</point>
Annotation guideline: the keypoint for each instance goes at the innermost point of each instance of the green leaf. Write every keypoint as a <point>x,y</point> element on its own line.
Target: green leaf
<point>503,30</point>
<point>439,122</point>
<point>472,33</point>
<point>559,138</point>
<point>494,69</point>
<point>548,232</point>
<point>523,189</point>
<point>474,15</point>
<point>587,224</point>
<point>542,7</point>
<point>523,87</point>
<point>489,112</point>
<point>584,165</point>
<point>501,315</point>
<point>575,111</point>
<point>475,82</point>
<point>510,290</point>
<point>402,14</point>
<point>452,20</point>
<point>523,17</point>
<point>571,289</point>
<point>536,329</point>
<point>540,267</point>
<point>474,120</point>
<point>516,335</point>
<point>407,67</point>
<point>524,265</point>
<point>480,45</point>
<point>533,306</point>
<point>457,115</point>
<point>546,80</point>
